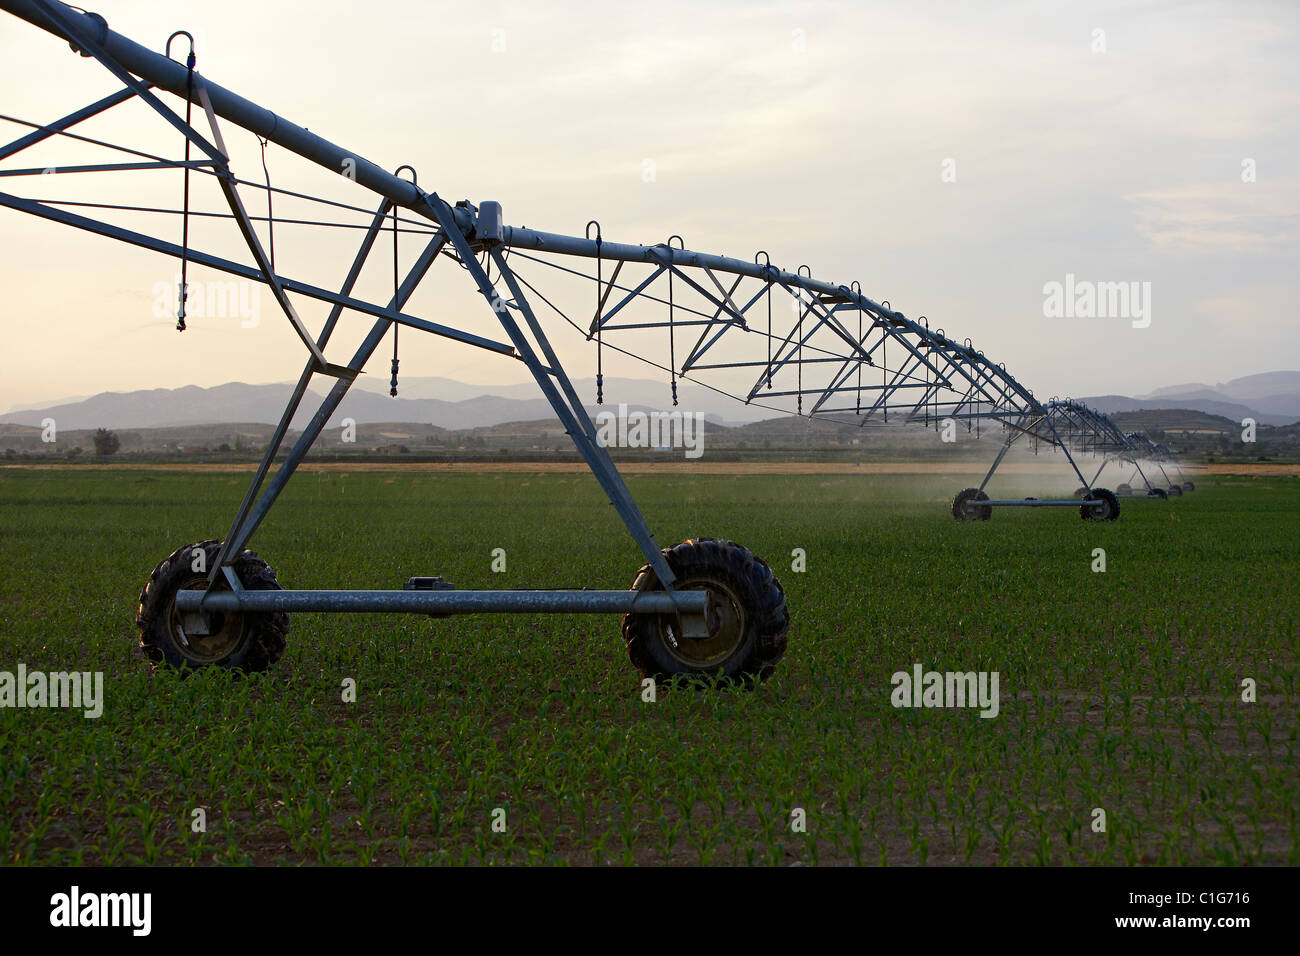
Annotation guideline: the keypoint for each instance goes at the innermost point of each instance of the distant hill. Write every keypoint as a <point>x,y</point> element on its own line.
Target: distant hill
<point>1200,435</point>
<point>1172,421</point>
<point>239,402</point>
<point>1111,404</point>
<point>1248,387</point>
<point>1271,398</point>
<point>437,401</point>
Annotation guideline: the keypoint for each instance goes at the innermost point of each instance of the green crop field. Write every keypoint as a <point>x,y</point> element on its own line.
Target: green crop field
<point>1121,737</point>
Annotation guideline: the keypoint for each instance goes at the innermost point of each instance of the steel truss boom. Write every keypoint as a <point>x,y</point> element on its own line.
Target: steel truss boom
<point>828,344</point>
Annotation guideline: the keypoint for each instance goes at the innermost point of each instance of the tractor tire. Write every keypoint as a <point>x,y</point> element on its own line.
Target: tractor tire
<point>749,632</point>
<point>1158,493</point>
<point>1105,508</point>
<point>1189,486</point>
<point>962,513</point>
<point>1176,491</point>
<point>241,642</point>
<point>1124,489</point>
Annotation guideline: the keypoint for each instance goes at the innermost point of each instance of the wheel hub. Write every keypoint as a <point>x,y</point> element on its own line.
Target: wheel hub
<point>206,637</point>
<point>726,627</point>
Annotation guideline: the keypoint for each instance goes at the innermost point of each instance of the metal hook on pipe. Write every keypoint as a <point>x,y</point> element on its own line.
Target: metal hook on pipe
<point>188,36</point>
<point>768,270</point>
<point>798,361</point>
<point>392,386</point>
<point>672,343</point>
<point>600,278</point>
<point>184,291</point>
<point>855,292</point>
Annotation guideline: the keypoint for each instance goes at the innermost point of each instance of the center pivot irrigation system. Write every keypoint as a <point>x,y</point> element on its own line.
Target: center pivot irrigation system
<point>800,345</point>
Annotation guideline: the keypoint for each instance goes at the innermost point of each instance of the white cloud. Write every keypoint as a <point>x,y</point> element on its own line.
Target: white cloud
<point>1220,217</point>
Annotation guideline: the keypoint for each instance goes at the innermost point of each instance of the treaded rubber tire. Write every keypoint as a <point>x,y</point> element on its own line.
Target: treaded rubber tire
<point>1124,489</point>
<point>976,514</point>
<point>1176,491</point>
<point>1158,493</point>
<point>761,599</point>
<point>1109,507</point>
<point>261,638</point>
<point>1189,486</point>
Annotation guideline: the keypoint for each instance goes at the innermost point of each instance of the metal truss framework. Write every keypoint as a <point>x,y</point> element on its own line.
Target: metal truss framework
<point>807,346</point>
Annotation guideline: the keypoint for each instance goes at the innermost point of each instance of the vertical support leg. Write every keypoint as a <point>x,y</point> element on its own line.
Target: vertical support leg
<point>1006,447</point>
<point>578,423</point>
<point>335,397</point>
<point>570,412</point>
<point>1016,433</point>
<point>1105,459</point>
<point>1068,456</point>
<point>273,448</point>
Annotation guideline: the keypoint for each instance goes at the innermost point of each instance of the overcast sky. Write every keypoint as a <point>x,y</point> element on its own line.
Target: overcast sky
<point>953,157</point>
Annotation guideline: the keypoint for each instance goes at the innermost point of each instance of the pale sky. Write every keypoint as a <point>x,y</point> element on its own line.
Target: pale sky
<point>1111,141</point>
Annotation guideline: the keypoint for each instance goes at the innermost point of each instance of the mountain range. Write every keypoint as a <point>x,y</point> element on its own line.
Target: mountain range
<point>438,401</point>
<point>1271,398</point>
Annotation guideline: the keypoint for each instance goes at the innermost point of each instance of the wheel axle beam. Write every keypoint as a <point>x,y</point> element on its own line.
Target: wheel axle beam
<point>1037,503</point>
<point>688,604</point>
